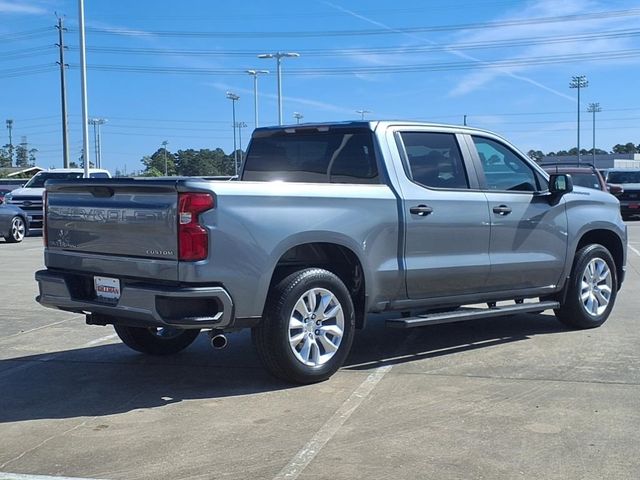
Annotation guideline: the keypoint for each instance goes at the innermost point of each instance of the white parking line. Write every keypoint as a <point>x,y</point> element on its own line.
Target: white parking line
<point>329,429</point>
<point>22,476</point>
<point>634,250</point>
<point>106,338</point>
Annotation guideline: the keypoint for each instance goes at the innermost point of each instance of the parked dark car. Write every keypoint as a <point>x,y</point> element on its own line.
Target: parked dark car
<point>583,174</point>
<point>625,185</point>
<point>3,192</point>
<point>14,223</point>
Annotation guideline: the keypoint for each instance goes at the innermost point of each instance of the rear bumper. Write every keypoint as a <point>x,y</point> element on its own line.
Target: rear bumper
<point>140,304</point>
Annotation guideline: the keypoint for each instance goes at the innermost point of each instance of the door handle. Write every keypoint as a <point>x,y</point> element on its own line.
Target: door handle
<point>421,210</point>
<point>502,210</point>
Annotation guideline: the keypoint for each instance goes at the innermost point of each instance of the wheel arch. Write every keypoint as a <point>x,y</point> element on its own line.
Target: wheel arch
<point>611,241</point>
<point>336,258</point>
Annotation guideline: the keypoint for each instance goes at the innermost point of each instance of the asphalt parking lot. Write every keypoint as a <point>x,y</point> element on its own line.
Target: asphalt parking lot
<point>516,397</point>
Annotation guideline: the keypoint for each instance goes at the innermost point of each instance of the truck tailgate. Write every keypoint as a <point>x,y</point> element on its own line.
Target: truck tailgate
<point>131,223</point>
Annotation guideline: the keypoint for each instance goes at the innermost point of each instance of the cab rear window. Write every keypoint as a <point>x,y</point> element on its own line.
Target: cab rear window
<point>334,156</point>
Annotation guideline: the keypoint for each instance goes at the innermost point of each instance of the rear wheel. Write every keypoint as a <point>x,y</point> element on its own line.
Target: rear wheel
<point>592,289</point>
<point>17,230</point>
<point>156,341</point>
<point>308,326</point>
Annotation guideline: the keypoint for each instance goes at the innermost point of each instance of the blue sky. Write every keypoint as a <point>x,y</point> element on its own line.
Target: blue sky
<point>407,60</point>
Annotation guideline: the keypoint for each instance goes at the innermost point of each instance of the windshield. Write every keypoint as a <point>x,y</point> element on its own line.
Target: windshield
<point>40,178</point>
<point>624,177</point>
<point>589,180</point>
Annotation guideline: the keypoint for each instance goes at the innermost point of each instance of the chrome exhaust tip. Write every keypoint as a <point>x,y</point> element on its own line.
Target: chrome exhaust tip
<point>218,341</point>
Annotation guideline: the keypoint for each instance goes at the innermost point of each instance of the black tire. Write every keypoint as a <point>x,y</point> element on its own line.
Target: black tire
<point>573,312</point>
<point>272,336</point>
<point>162,341</point>
<point>17,231</point>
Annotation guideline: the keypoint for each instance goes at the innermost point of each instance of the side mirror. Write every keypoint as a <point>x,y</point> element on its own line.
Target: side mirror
<point>560,183</point>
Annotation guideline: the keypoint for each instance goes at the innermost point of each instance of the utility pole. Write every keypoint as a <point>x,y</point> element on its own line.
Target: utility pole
<point>298,116</point>
<point>579,82</point>
<point>279,56</point>
<point>63,93</point>
<point>240,126</point>
<point>254,73</point>
<point>594,108</point>
<point>164,146</point>
<point>97,141</point>
<point>9,124</point>
<point>465,120</point>
<point>363,113</point>
<point>234,98</point>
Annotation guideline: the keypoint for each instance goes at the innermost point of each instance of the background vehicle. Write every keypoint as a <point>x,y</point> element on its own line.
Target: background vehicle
<point>583,174</point>
<point>14,223</point>
<point>29,197</point>
<point>625,185</point>
<point>3,192</point>
<point>330,222</point>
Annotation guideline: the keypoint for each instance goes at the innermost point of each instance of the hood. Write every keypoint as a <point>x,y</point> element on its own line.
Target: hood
<point>18,192</point>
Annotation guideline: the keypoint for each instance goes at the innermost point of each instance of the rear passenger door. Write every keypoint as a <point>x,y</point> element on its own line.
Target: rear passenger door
<point>528,232</point>
<point>447,230</point>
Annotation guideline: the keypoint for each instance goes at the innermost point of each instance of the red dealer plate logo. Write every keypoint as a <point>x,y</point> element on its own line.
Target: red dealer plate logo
<point>107,288</point>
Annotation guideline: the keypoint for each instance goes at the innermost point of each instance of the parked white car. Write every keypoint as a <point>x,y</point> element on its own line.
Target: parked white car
<point>29,197</point>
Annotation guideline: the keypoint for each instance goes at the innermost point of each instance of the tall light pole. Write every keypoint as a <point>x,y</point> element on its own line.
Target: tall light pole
<point>83,89</point>
<point>240,126</point>
<point>298,116</point>
<point>63,93</point>
<point>255,74</point>
<point>164,148</point>
<point>363,113</point>
<point>279,56</point>
<point>594,108</point>
<point>234,98</point>
<point>9,124</point>
<point>579,81</point>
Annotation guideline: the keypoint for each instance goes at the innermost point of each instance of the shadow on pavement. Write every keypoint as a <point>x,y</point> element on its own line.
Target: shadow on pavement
<point>111,379</point>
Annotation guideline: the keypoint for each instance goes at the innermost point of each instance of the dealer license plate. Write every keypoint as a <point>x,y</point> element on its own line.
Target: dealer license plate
<point>107,288</point>
<point>633,205</point>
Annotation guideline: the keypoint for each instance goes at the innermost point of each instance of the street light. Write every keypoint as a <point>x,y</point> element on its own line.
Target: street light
<point>279,56</point>
<point>594,108</point>
<point>240,126</point>
<point>234,98</point>
<point>579,81</point>
<point>255,74</point>
<point>362,113</point>
<point>298,116</point>
<point>164,147</point>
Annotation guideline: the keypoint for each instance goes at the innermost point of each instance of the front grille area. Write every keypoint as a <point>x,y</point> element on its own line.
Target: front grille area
<point>32,205</point>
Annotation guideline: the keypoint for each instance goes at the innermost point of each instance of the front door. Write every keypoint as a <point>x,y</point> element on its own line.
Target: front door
<point>528,231</point>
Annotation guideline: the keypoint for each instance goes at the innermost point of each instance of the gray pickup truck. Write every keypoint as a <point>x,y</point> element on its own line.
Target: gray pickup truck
<point>328,223</point>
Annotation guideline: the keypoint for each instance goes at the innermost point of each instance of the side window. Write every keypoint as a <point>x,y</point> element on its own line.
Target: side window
<point>503,169</point>
<point>98,175</point>
<point>435,160</point>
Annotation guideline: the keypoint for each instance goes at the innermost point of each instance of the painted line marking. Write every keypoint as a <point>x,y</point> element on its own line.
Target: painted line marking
<point>634,250</point>
<point>106,338</point>
<point>304,457</point>
<point>22,476</point>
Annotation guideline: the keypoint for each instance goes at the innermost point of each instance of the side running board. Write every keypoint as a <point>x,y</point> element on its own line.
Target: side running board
<point>468,313</point>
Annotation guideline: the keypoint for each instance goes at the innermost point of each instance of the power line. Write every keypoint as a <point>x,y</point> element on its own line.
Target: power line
<point>390,50</point>
<point>370,32</point>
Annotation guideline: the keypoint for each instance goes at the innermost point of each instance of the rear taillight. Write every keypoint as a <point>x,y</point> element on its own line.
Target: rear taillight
<point>45,237</point>
<point>193,239</point>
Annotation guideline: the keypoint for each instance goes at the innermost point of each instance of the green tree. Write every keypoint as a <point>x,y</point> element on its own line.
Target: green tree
<point>5,159</point>
<point>626,148</point>
<point>156,163</point>
<point>535,155</point>
<point>204,162</point>
<point>22,156</point>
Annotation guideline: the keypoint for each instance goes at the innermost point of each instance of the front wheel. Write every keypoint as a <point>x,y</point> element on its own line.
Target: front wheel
<point>592,289</point>
<point>308,326</point>
<point>17,230</point>
<point>156,341</point>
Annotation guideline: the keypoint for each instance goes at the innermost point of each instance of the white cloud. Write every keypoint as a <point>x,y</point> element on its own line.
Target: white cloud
<point>22,8</point>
